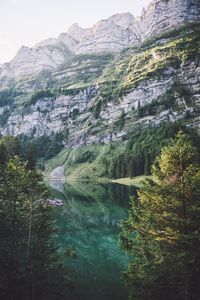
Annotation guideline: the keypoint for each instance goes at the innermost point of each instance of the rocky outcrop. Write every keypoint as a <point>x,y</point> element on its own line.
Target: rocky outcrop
<point>111,35</point>
<point>123,30</point>
<point>57,173</point>
<point>48,115</point>
<point>76,111</point>
<point>73,37</point>
<point>164,15</point>
<point>31,61</point>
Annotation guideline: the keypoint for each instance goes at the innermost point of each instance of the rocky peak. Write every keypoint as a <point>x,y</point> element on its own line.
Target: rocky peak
<point>164,15</point>
<point>123,20</point>
<point>73,36</point>
<point>77,32</point>
<point>31,61</point>
<point>47,42</point>
<point>111,35</point>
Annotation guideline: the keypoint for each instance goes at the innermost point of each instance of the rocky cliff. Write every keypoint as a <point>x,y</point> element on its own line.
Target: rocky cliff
<point>101,96</point>
<point>112,35</point>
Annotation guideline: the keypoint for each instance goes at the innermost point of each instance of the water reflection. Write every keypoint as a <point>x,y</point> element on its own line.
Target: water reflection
<point>89,222</point>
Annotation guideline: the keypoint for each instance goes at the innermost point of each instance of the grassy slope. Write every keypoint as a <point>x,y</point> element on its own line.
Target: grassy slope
<point>95,169</point>
<point>88,162</point>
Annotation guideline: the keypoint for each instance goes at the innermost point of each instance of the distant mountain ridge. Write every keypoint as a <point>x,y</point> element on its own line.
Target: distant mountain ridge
<point>111,35</point>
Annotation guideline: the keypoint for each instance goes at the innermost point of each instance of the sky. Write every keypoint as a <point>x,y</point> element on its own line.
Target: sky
<point>26,22</point>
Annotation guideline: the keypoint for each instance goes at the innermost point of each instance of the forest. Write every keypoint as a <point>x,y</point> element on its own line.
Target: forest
<point>30,267</point>
<point>161,234</point>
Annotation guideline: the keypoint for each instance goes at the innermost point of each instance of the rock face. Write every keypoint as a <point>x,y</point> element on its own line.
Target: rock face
<point>162,16</point>
<point>122,30</point>
<point>73,37</point>
<point>111,35</point>
<point>98,97</point>
<point>31,61</point>
<point>157,84</point>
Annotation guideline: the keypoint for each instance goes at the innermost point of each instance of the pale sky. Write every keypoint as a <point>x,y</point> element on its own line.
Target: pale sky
<point>26,22</point>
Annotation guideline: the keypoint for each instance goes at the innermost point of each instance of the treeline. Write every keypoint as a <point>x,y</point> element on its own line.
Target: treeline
<point>6,96</point>
<point>161,233</point>
<point>142,149</point>
<point>39,95</point>
<point>44,147</point>
<point>11,146</point>
<point>30,267</point>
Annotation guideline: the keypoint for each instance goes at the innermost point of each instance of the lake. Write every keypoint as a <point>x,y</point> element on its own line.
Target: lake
<point>89,224</point>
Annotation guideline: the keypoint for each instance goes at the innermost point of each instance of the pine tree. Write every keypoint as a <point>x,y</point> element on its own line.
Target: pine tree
<point>3,153</point>
<point>162,231</point>
<point>131,167</point>
<point>29,264</point>
<point>147,164</point>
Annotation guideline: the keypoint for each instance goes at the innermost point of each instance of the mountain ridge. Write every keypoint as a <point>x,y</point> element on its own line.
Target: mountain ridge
<point>111,35</point>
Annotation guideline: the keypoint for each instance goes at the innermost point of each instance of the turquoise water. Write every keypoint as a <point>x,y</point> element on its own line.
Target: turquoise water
<point>89,223</point>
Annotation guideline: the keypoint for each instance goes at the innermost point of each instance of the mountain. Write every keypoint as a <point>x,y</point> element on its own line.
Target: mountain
<point>108,82</point>
<point>112,35</point>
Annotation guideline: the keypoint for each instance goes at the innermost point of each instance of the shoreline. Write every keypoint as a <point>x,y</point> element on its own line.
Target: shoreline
<point>135,181</point>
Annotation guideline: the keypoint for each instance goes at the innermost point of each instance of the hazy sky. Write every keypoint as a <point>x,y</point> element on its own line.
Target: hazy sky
<point>26,22</point>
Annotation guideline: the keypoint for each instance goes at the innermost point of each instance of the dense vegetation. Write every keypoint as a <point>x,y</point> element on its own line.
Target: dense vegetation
<point>142,149</point>
<point>38,95</point>
<point>162,231</point>
<point>117,160</point>
<point>30,267</point>
<point>45,146</point>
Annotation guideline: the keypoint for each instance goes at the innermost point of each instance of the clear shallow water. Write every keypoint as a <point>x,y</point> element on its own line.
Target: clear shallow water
<point>89,222</point>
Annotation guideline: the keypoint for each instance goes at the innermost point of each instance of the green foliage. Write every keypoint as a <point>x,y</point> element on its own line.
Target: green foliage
<point>70,92</point>
<point>38,95</point>
<point>86,162</point>
<point>87,156</point>
<point>29,264</point>
<point>161,233</point>
<point>97,109</point>
<point>6,97</point>
<point>74,113</point>
<point>5,116</point>
<point>45,146</point>
<point>117,160</point>
<point>10,146</point>
<point>142,149</point>
<point>119,124</point>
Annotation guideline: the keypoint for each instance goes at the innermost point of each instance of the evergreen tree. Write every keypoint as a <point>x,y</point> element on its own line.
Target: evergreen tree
<point>12,144</point>
<point>30,157</point>
<point>131,167</point>
<point>162,231</point>
<point>147,164</point>
<point>3,153</point>
<point>29,264</point>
